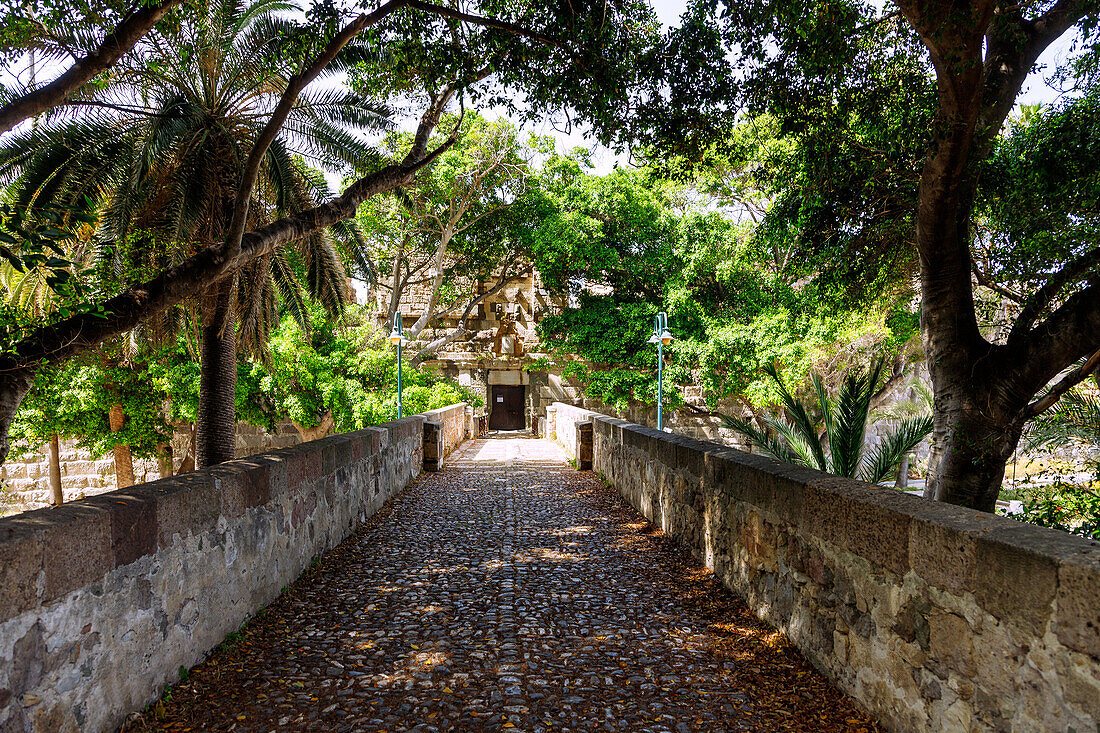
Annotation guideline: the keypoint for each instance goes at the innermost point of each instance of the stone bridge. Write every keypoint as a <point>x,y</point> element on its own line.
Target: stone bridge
<point>333,586</point>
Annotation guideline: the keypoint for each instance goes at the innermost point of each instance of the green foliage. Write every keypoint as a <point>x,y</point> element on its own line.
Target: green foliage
<point>160,173</point>
<point>74,401</point>
<point>828,433</point>
<point>601,52</point>
<point>341,368</point>
<point>1074,420</point>
<point>37,272</point>
<point>1071,509</point>
<point>815,116</point>
<point>470,201</point>
<point>631,244</point>
<point>1039,201</point>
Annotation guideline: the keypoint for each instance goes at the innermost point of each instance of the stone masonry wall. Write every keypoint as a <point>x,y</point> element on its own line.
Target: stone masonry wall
<point>933,617</point>
<point>454,421</point>
<point>104,599</point>
<point>27,477</point>
<point>561,421</point>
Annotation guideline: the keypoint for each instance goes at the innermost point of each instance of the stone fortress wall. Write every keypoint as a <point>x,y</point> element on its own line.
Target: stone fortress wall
<point>933,617</point>
<point>506,350</point>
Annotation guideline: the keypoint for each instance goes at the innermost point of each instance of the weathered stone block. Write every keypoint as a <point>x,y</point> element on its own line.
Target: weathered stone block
<point>303,465</point>
<point>1018,580</point>
<point>20,565</point>
<point>133,514</point>
<point>1077,618</point>
<point>950,641</point>
<point>857,517</point>
<point>943,542</point>
<point>242,484</point>
<point>186,504</point>
<point>77,546</point>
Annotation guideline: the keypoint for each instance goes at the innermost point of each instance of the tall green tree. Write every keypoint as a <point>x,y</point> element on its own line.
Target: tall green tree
<point>163,174</point>
<point>340,375</point>
<point>456,226</point>
<point>925,90</point>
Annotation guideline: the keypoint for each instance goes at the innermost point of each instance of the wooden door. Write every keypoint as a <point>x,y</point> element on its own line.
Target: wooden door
<point>506,411</point>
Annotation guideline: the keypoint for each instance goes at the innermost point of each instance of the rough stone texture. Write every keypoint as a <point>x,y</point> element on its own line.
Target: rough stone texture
<point>583,451</point>
<point>505,593</point>
<point>561,425</point>
<point>454,423</point>
<point>103,600</point>
<point>932,616</point>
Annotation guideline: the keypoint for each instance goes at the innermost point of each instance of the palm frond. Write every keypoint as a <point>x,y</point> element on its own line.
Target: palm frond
<point>883,460</point>
<point>800,418</point>
<point>809,452</point>
<point>1075,418</point>
<point>767,444</point>
<point>852,409</point>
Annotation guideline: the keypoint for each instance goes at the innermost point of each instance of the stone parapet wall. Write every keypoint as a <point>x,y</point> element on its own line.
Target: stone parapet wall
<point>104,599</point>
<point>933,617</point>
<point>561,425</point>
<point>455,425</point>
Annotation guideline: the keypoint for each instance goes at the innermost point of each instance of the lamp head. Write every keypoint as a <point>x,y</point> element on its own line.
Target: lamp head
<point>666,337</point>
<point>653,339</point>
<point>396,337</point>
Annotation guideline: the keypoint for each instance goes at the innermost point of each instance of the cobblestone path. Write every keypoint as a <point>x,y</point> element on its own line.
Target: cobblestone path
<point>508,592</point>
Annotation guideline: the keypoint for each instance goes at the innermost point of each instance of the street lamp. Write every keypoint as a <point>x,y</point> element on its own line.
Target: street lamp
<point>397,338</point>
<point>662,337</point>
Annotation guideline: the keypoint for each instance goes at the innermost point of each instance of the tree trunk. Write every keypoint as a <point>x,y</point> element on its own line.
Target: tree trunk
<point>57,497</point>
<point>14,385</point>
<point>902,482</point>
<point>188,462</point>
<point>395,282</point>
<point>124,462</point>
<point>977,437</point>
<point>164,459</point>
<point>317,432</point>
<point>438,270</point>
<point>216,422</point>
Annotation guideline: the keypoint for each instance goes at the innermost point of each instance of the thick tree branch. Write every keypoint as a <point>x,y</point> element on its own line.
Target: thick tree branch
<point>1041,299</point>
<point>210,264</point>
<point>1014,44</point>
<point>1066,383</point>
<point>124,37</point>
<point>282,111</point>
<point>987,282</point>
<point>1070,333</point>
<point>299,81</point>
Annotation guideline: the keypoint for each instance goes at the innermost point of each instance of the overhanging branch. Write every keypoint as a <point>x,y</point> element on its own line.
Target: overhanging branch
<point>1066,383</point>
<point>125,36</point>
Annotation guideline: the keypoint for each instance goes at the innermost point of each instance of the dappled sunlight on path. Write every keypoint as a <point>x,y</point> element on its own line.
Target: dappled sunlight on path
<point>508,592</point>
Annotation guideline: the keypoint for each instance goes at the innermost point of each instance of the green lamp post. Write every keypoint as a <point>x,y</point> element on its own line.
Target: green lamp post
<point>397,338</point>
<point>662,337</point>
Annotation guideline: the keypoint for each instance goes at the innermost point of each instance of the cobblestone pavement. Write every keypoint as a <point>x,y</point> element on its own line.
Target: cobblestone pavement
<point>508,592</point>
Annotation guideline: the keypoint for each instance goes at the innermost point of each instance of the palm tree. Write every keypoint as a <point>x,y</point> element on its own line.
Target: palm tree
<point>1076,419</point>
<point>158,152</point>
<point>794,436</point>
